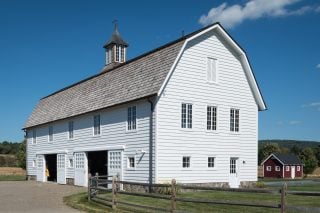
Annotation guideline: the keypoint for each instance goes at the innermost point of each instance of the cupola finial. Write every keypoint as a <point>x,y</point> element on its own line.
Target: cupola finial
<point>115,23</point>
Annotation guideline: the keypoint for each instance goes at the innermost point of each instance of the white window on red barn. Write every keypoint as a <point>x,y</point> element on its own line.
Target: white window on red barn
<point>298,168</point>
<point>277,168</point>
<point>269,168</point>
<point>287,168</point>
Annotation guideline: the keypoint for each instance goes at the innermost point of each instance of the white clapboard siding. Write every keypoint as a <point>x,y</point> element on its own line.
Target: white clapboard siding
<point>113,133</point>
<point>188,84</point>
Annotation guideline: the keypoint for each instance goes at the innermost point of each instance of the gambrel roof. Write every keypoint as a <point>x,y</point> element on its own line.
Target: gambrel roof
<point>141,77</point>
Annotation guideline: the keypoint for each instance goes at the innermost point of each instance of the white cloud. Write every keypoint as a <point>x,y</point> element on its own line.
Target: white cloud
<point>318,66</point>
<point>294,122</point>
<point>317,9</point>
<point>315,105</point>
<point>230,16</point>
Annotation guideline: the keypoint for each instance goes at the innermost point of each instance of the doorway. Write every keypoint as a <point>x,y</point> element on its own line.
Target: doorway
<point>51,165</point>
<point>98,163</point>
<point>233,177</point>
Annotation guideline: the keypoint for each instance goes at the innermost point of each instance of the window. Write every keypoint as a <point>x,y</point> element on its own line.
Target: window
<point>115,160</point>
<point>298,168</point>
<point>233,165</point>
<point>50,133</point>
<point>186,116</point>
<point>132,118</point>
<point>287,168</point>
<point>34,136</point>
<point>211,162</point>
<point>34,163</point>
<point>117,53</point>
<point>110,55</point>
<point>96,125</point>
<point>131,163</point>
<point>79,159</point>
<point>211,118</point>
<point>277,168</point>
<point>185,162</point>
<point>70,128</point>
<point>234,120</point>
<point>122,53</point>
<point>269,168</point>
<point>70,163</point>
<point>212,70</point>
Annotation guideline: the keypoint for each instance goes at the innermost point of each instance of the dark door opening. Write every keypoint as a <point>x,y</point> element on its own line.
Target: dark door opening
<point>98,163</point>
<point>51,165</point>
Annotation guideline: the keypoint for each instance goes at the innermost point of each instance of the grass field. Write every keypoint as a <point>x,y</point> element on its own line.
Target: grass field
<point>12,177</point>
<point>80,201</point>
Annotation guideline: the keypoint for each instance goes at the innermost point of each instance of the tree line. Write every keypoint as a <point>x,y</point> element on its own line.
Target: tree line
<point>16,149</point>
<point>310,156</point>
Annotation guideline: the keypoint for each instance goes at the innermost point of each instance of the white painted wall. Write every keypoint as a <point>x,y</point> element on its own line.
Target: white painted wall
<point>113,134</point>
<point>188,84</point>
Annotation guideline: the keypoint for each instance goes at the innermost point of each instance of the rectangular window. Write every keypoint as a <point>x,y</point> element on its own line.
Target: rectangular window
<point>269,168</point>
<point>233,165</point>
<point>234,120</point>
<point>211,118</point>
<point>186,116</point>
<point>50,133</point>
<point>70,129</point>
<point>71,163</point>
<point>34,163</point>
<point>122,53</point>
<point>34,136</point>
<point>211,162</point>
<point>110,55</point>
<point>211,70</point>
<point>132,118</point>
<point>117,53</point>
<point>96,125</point>
<point>277,168</point>
<point>131,163</point>
<point>186,162</point>
<point>298,168</point>
<point>287,168</point>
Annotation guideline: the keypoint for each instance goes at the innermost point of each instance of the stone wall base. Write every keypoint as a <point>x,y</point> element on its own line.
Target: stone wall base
<point>70,181</point>
<point>31,177</point>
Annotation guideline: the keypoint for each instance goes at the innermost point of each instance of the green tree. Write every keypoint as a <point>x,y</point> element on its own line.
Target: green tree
<point>21,154</point>
<point>309,159</point>
<point>317,154</point>
<point>267,150</point>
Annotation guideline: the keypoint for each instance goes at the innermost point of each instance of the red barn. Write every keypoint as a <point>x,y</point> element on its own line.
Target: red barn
<point>282,166</point>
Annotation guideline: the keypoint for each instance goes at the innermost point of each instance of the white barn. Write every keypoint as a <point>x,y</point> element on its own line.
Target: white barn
<point>187,110</point>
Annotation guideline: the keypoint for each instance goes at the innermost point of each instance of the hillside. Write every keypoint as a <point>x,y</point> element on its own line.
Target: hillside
<point>290,143</point>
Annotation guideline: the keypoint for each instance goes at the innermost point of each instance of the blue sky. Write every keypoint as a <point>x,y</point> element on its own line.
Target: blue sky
<point>47,45</point>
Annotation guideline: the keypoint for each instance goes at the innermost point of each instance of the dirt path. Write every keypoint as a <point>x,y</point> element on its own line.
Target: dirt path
<point>31,196</point>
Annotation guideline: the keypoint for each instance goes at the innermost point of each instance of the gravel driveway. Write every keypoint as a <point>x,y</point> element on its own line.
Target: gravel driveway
<point>31,196</point>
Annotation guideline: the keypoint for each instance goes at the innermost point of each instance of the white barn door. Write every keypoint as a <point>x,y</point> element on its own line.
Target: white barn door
<point>61,169</point>
<point>80,170</point>
<point>41,168</point>
<point>115,163</point>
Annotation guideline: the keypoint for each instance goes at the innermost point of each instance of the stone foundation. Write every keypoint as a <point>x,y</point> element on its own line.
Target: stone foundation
<point>70,181</point>
<point>31,177</point>
<point>248,184</point>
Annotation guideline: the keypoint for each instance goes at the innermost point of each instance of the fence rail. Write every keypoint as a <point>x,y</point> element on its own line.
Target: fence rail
<point>114,185</point>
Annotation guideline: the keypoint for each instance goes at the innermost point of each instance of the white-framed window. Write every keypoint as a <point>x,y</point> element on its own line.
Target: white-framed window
<point>211,162</point>
<point>234,120</point>
<point>61,161</point>
<point>96,125</point>
<point>70,164</point>
<point>131,162</point>
<point>117,53</point>
<point>212,70</point>
<point>122,53</point>
<point>50,138</point>
<point>132,118</point>
<point>211,118</point>
<point>269,168</point>
<point>277,168</point>
<point>110,55</point>
<point>298,168</point>
<point>115,160</point>
<point>287,168</point>
<point>186,115</point>
<point>70,129</point>
<point>34,136</point>
<point>233,165</point>
<point>34,163</point>
<point>186,161</point>
<point>79,159</point>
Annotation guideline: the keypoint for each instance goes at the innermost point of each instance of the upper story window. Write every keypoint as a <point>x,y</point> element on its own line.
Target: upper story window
<point>34,136</point>
<point>132,118</point>
<point>122,53</point>
<point>212,70</point>
<point>117,53</point>
<point>131,163</point>
<point>186,116</point>
<point>234,120</point>
<point>50,133</point>
<point>70,129</point>
<point>96,125</point>
<point>211,118</point>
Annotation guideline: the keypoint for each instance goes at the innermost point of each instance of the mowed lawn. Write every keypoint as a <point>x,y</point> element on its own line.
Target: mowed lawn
<point>292,200</point>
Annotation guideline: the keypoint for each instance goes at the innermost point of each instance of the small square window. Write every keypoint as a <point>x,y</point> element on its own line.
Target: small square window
<point>185,162</point>
<point>277,168</point>
<point>287,168</point>
<point>269,168</point>
<point>211,162</point>
<point>131,163</point>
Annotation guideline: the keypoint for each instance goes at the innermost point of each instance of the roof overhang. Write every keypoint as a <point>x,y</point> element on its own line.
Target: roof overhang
<point>272,155</point>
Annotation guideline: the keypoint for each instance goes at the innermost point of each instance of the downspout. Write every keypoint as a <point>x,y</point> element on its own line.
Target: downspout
<point>151,143</point>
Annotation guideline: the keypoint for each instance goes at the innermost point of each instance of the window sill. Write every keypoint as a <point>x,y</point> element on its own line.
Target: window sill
<point>96,136</point>
<point>131,131</point>
<point>212,82</point>
<point>212,131</point>
<point>234,133</point>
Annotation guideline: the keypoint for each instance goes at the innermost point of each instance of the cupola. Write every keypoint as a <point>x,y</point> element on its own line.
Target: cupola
<point>116,48</point>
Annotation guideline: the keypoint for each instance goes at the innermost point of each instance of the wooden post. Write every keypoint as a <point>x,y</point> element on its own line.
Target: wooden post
<point>89,189</point>
<point>283,198</point>
<point>114,193</point>
<point>173,195</point>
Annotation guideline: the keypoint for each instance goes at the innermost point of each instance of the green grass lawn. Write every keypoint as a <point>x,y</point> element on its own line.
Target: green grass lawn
<point>80,201</point>
<point>12,177</point>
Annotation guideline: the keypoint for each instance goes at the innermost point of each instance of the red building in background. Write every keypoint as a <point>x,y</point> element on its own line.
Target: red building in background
<point>282,166</point>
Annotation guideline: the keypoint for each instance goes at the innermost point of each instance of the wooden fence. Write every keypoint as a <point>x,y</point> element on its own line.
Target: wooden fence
<point>112,184</point>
